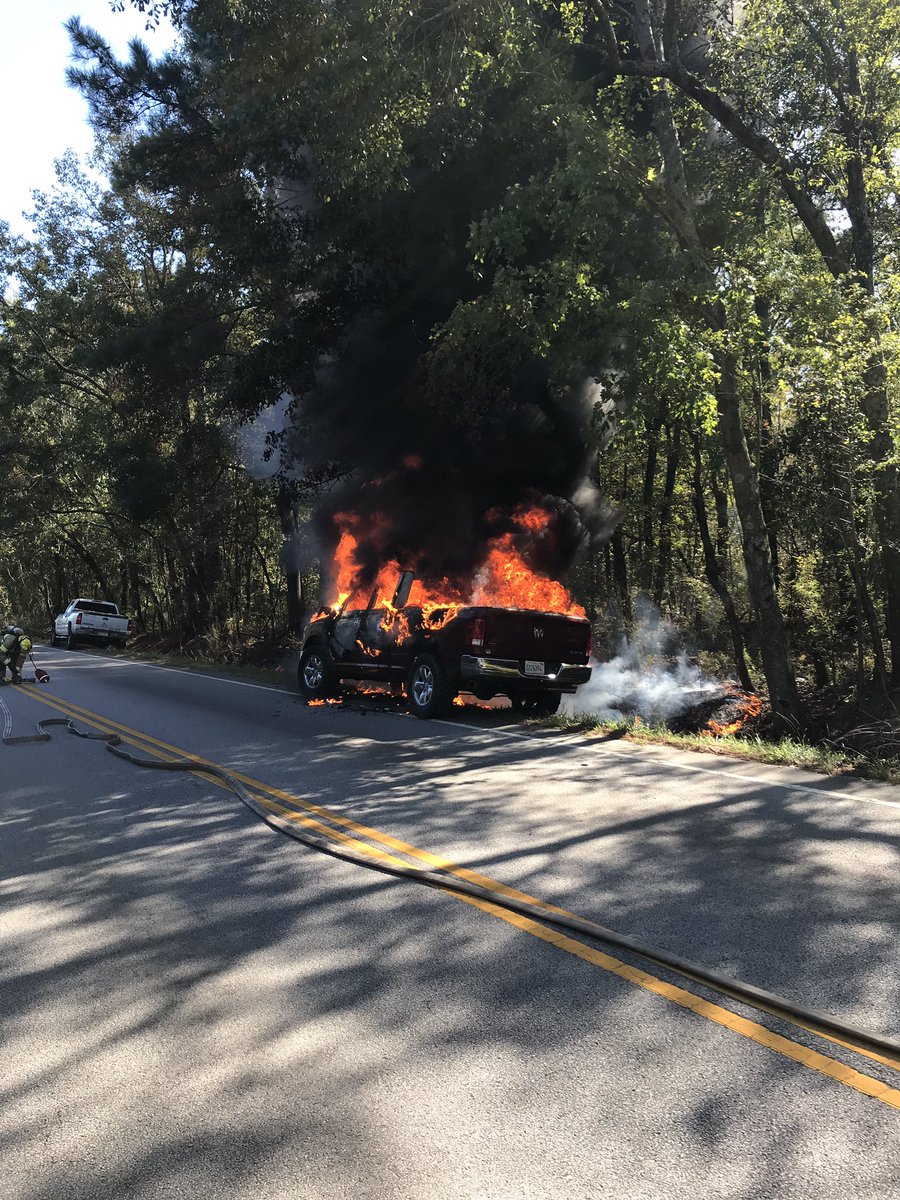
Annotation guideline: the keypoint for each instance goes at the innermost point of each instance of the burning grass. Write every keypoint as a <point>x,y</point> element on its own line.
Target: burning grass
<point>748,708</point>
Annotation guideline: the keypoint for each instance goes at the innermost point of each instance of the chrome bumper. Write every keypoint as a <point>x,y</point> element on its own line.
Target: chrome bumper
<point>565,677</point>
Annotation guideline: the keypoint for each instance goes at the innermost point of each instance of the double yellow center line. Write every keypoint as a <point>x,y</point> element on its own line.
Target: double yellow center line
<point>379,845</point>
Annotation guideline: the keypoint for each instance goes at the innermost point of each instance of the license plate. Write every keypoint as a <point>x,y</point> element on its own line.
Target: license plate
<point>533,668</point>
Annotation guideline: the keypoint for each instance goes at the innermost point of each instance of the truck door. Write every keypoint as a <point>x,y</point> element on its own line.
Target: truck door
<point>360,642</point>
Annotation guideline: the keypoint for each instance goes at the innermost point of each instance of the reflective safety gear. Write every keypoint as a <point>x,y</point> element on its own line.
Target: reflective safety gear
<point>14,645</point>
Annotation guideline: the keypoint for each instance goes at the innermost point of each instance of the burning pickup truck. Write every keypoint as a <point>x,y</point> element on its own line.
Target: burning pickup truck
<point>434,652</point>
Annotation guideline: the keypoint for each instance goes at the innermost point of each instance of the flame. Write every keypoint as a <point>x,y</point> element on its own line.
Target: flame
<point>473,702</point>
<point>506,581</point>
<point>751,706</point>
<point>503,579</point>
<point>320,703</point>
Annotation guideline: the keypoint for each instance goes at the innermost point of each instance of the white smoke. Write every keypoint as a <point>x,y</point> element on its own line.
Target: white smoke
<point>649,677</point>
<point>255,441</point>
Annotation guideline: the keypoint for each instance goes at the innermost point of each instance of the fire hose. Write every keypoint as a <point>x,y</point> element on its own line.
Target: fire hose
<point>779,1006</point>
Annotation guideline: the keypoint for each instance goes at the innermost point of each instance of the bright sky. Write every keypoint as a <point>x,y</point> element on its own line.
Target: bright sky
<point>40,116</point>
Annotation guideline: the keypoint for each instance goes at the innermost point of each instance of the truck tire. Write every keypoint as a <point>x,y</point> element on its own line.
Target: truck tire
<point>71,640</point>
<point>428,690</point>
<point>315,674</point>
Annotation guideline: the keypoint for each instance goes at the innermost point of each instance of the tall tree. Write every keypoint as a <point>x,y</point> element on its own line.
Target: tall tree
<point>819,110</point>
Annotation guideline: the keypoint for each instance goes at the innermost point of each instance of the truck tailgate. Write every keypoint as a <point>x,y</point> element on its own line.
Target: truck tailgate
<point>102,624</point>
<point>542,637</point>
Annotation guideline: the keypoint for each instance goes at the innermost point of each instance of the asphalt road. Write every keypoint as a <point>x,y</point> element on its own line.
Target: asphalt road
<point>193,1005</point>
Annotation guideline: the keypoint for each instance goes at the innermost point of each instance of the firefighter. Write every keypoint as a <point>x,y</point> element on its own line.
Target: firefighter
<point>14,646</point>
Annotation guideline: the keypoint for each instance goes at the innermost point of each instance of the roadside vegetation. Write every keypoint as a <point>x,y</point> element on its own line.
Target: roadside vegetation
<point>687,218</point>
<point>785,752</point>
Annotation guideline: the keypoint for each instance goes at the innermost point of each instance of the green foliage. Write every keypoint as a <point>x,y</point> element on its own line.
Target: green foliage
<point>291,170</point>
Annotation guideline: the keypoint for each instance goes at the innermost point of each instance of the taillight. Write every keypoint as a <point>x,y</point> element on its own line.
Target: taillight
<point>475,633</point>
<point>130,626</point>
<point>78,619</point>
<point>590,645</point>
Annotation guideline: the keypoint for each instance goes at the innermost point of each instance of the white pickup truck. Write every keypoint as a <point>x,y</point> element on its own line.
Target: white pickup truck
<point>91,621</point>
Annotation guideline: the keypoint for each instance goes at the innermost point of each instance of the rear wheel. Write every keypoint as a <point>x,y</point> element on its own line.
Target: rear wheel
<point>71,640</point>
<point>315,674</point>
<point>428,689</point>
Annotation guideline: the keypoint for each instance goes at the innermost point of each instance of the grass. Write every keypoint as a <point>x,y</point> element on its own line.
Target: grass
<point>785,752</point>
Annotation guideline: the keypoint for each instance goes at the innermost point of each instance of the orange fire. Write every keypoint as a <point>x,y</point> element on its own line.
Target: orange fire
<point>506,581</point>
<point>503,579</point>
<point>472,702</point>
<point>320,703</point>
<point>751,706</point>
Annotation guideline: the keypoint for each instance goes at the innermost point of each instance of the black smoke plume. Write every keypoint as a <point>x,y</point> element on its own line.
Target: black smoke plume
<point>431,473</point>
<point>430,491</point>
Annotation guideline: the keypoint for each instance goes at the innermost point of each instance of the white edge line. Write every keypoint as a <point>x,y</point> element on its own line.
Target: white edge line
<point>788,787</point>
<point>582,744</point>
<point>585,745</point>
<point>136,662</point>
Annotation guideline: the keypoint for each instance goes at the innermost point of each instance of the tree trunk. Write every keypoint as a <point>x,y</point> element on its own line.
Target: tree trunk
<point>645,557</point>
<point>846,524</point>
<point>60,588</point>
<point>201,567</point>
<point>767,457</point>
<point>620,574</point>
<point>664,540</point>
<point>867,614</point>
<point>714,574</point>
<point>136,594</point>
<point>772,635</point>
<point>720,499</point>
<point>286,505</point>
<point>876,405</point>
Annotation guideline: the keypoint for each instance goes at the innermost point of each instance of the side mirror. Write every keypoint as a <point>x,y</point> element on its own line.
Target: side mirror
<point>404,587</point>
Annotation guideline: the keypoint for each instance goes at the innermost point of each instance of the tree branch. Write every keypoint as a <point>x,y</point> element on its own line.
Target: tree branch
<point>757,143</point>
<point>607,31</point>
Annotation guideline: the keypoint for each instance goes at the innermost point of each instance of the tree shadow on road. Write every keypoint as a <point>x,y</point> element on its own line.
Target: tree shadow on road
<point>195,1005</point>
